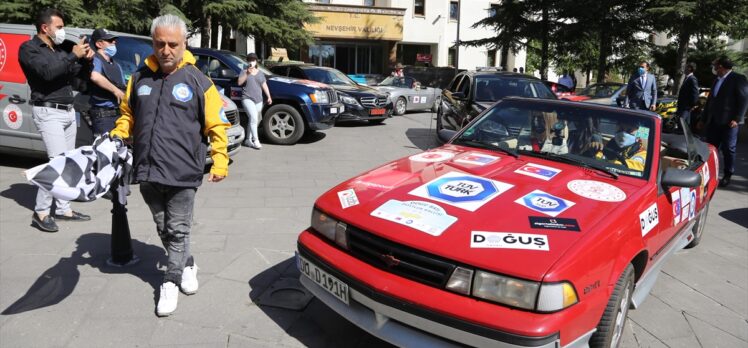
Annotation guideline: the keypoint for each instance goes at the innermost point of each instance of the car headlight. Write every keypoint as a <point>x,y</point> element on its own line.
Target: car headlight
<point>348,100</point>
<point>510,291</point>
<point>555,297</point>
<point>329,227</point>
<point>319,97</point>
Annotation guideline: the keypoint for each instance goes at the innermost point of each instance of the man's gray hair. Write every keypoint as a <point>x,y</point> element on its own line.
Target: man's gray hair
<point>169,20</point>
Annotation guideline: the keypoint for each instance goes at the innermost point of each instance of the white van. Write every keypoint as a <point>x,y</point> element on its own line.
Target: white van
<point>18,134</point>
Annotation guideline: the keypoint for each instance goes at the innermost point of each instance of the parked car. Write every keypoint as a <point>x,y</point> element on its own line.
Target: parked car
<point>18,133</point>
<point>488,241</point>
<point>470,93</point>
<point>601,93</point>
<point>407,94</point>
<point>361,102</point>
<point>561,91</point>
<point>299,106</point>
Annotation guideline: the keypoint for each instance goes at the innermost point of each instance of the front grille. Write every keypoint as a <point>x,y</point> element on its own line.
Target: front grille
<point>233,116</point>
<point>374,102</point>
<point>332,96</point>
<point>399,259</point>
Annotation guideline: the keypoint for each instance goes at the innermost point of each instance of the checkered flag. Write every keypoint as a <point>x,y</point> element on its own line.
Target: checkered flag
<point>86,173</point>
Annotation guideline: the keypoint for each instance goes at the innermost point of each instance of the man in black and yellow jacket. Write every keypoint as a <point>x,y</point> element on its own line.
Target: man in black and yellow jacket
<point>170,110</point>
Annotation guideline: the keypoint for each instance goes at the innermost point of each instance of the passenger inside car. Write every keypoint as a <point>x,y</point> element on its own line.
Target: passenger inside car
<point>628,146</point>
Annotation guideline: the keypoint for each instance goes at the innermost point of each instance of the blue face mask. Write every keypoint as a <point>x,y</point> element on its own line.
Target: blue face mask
<point>110,50</point>
<point>641,71</point>
<point>624,139</point>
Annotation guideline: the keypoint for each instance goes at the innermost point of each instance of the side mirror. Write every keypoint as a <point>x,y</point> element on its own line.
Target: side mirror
<point>458,95</point>
<point>445,135</point>
<point>226,74</point>
<point>673,177</point>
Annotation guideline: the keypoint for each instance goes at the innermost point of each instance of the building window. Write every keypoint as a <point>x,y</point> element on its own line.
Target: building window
<point>491,61</point>
<point>419,7</point>
<point>369,3</point>
<point>454,10</point>
<point>493,10</point>
<point>323,1</point>
<point>451,57</point>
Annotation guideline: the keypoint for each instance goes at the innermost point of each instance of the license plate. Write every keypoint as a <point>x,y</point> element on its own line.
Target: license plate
<point>333,285</point>
<point>333,110</point>
<point>377,112</point>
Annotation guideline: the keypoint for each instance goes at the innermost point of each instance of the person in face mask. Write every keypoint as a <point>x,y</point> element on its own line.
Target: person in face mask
<point>49,69</point>
<point>254,83</point>
<point>108,83</point>
<point>625,148</point>
<point>641,92</point>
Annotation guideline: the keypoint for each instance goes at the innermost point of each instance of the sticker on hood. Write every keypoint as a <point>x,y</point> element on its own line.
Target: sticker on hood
<point>545,203</point>
<point>477,159</point>
<point>649,218</point>
<point>538,171</point>
<point>431,156</point>
<point>596,190</point>
<point>538,222</point>
<point>423,216</point>
<point>461,190</point>
<point>502,240</point>
<point>347,198</point>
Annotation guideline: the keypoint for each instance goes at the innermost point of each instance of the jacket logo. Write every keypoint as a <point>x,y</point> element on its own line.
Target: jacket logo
<point>182,92</point>
<point>144,90</point>
<point>389,259</point>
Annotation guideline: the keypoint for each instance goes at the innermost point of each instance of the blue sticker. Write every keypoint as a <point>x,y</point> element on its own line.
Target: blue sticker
<point>222,114</point>
<point>182,92</point>
<point>144,90</point>
<point>545,203</point>
<point>461,190</point>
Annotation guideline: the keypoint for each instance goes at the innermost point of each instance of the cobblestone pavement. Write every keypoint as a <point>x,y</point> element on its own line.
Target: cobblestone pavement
<point>57,291</point>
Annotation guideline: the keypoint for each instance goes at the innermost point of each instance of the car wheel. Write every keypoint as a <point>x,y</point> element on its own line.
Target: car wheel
<point>698,228</point>
<point>282,125</point>
<point>400,106</point>
<point>610,328</point>
<point>376,121</point>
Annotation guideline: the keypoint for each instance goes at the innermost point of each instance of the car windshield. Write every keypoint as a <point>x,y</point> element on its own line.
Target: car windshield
<point>392,81</point>
<point>131,53</point>
<point>600,91</point>
<point>491,88</point>
<point>240,63</point>
<point>609,140</point>
<point>329,76</point>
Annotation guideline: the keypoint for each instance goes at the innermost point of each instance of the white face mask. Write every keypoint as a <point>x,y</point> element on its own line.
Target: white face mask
<point>253,64</point>
<point>714,70</point>
<point>59,36</point>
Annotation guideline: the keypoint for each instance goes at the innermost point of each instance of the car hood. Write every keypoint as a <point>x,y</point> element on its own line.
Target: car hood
<point>385,199</point>
<point>356,89</point>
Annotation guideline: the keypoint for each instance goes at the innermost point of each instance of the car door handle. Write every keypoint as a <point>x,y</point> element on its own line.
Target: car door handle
<point>15,99</point>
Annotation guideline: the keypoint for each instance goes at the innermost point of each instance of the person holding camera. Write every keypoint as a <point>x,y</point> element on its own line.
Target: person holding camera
<point>49,70</point>
<point>108,83</point>
<point>254,83</point>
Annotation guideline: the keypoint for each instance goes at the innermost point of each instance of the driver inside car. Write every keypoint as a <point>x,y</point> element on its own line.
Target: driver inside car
<point>625,148</point>
<point>547,134</point>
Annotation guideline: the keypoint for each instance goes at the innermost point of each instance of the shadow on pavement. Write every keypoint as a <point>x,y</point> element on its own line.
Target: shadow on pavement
<point>23,194</point>
<point>358,123</point>
<point>738,216</point>
<point>312,323</point>
<point>59,281</point>
<point>423,138</point>
<point>15,161</point>
<point>312,137</point>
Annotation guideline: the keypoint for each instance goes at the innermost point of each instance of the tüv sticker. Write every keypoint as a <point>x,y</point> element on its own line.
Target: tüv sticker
<point>501,240</point>
<point>461,190</point>
<point>347,198</point>
<point>649,218</point>
<point>545,203</point>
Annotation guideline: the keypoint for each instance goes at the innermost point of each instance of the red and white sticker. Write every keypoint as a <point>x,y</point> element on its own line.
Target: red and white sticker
<point>675,199</point>
<point>348,198</point>
<point>596,190</point>
<point>477,159</point>
<point>13,116</point>
<point>432,156</point>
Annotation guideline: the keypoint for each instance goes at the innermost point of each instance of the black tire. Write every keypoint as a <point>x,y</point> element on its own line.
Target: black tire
<point>698,228</point>
<point>401,105</point>
<point>610,328</point>
<point>379,121</point>
<point>282,125</point>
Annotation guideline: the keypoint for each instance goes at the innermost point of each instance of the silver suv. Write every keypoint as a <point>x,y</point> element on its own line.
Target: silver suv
<point>18,134</point>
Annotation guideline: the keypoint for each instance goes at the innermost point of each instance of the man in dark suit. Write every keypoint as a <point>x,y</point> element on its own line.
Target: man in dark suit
<point>725,110</point>
<point>641,92</point>
<point>688,95</point>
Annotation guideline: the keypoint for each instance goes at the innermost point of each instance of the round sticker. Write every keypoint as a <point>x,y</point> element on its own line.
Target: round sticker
<point>596,190</point>
<point>13,116</point>
<point>432,156</point>
<point>3,54</point>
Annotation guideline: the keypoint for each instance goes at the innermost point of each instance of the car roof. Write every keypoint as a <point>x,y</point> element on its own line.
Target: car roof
<point>586,106</point>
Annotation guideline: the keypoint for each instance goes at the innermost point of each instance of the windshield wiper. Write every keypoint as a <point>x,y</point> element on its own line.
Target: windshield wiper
<point>571,160</point>
<point>488,146</point>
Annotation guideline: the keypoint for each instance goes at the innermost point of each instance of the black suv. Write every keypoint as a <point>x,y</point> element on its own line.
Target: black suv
<point>361,102</point>
<point>471,92</point>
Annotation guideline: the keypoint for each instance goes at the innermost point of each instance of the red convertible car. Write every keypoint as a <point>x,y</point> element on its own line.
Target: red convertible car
<point>539,224</point>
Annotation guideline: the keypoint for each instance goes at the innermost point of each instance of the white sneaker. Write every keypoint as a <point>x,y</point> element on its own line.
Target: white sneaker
<point>167,299</point>
<point>189,280</point>
<point>256,144</point>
